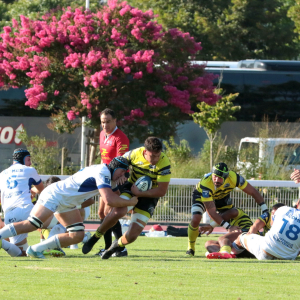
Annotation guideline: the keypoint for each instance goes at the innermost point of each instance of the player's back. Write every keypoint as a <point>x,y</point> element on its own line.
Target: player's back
<point>283,239</point>
<point>15,185</point>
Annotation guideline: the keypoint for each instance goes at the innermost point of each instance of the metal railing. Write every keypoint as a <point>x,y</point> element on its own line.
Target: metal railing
<point>175,206</point>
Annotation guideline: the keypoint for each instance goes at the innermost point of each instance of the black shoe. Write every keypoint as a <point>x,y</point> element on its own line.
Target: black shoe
<point>111,250</point>
<point>190,252</point>
<point>88,246</point>
<point>121,252</point>
<point>101,251</point>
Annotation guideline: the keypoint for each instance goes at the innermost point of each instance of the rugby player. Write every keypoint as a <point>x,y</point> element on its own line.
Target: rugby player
<point>112,142</point>
<point>63,197</point>
<point>212,194</point>
<point>15,185</point>
<point>226,248</point>
<point>282,241</point>
<point>148,160</point>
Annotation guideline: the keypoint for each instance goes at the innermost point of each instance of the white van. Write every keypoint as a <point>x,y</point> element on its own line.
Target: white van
<point>281,151</point>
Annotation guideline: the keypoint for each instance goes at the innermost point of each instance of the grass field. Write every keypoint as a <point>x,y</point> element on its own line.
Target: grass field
<point>156,268</point>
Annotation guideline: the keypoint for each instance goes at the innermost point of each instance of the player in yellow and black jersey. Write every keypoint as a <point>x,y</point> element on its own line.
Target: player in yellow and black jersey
<point>148,160</point>
<point>212,194</point>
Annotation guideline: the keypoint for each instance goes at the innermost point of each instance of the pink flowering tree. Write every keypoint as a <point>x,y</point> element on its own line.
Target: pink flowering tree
<point>118,57</point>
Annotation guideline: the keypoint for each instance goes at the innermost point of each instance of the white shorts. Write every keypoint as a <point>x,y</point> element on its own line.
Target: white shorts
<point>18,214</point>
<point>56,206</point>
<point>254,244</point>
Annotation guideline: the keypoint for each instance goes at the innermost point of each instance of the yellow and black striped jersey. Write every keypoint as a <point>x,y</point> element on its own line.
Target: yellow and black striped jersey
<point>242,220</point>
<point>161,172</point>
<point>266,218</point>
<point>206,191</point>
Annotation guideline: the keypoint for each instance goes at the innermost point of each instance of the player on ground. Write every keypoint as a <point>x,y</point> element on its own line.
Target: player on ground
<point>15,185</point>
<point>148,160</point>
<point>282,241</point>
<point>63,196</point>
<point>212,194</point>
<point>113,142</point>
<point>226,248</point>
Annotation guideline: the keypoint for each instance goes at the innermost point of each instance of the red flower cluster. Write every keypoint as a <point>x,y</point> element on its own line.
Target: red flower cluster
<point>118,54</point>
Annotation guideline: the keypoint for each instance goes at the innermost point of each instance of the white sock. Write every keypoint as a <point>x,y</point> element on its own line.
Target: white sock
<point>8,231</point>
<point>11,249</point>
<point>50,243</point>
<point>57,229</point>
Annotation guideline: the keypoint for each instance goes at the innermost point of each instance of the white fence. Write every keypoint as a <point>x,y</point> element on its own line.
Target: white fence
<point>175,206</point>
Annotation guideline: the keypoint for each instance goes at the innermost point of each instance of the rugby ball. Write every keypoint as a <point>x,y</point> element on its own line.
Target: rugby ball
<point>144,183</point>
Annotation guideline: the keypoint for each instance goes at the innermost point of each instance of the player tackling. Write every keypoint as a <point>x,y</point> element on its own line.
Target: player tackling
<point>150,161</point>
<point>62,197</point>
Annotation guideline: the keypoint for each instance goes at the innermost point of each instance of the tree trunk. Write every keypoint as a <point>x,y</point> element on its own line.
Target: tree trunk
<point>211,152</point>
<point>94,142</point>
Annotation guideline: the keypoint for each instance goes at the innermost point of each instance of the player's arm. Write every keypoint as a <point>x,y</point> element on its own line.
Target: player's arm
<point>111,199</point>
<point>39,187</point>
<point>157,192</point>
<point>256,227</point>
<point>253,192</point>
<point>295,176</point>
<point>122,144</point>
<point>212,212</point>
<point>88,202</point>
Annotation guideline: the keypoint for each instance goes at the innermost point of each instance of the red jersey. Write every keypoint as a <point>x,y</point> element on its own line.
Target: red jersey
<point>115,144</point>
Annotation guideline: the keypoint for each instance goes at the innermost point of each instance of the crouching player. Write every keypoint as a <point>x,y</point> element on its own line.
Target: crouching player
<point>148,160</point>
<point>62,197</point>
<point>282,241</point>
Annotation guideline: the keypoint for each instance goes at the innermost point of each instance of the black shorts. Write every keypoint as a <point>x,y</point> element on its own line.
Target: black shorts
<point>222,204</point>
<point>145,205</point>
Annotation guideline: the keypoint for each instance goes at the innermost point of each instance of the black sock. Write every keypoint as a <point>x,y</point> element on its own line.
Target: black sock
<point>117,230</point>
<point>108,238</point>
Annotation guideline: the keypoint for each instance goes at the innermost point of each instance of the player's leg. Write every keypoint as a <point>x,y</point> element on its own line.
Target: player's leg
<point>253,243</point>
<point>110,220</point>
<point>142,212</point>
<point>38,215</point>
<point>198,210</point>
<point>75,232</point>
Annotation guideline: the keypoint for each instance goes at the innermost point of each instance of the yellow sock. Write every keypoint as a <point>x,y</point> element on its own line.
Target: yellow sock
<point>193,233</point>
<point>120,242</point>
<point>45,233</point>
<point>98,234</point>
<point>226,249</point>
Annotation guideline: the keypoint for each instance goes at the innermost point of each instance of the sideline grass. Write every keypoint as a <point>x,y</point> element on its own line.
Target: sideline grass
<point>156,268</point>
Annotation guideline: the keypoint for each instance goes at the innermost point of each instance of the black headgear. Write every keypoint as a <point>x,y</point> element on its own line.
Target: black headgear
<point>221,170</point>
<point>118,162</point>
<point>20,154</point>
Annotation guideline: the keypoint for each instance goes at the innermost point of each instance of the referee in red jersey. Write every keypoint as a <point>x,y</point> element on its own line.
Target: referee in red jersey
<point>113,142</point>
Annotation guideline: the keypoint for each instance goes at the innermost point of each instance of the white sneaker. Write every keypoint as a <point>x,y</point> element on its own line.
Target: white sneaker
<point>35,254</point>
<point>87,236</point>
<point>74,247</point>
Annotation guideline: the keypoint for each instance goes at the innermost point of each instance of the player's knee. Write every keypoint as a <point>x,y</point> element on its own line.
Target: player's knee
<point>119,212</point>
<point>76,232</point>
<point>36,222</point>
<point>196,219</point>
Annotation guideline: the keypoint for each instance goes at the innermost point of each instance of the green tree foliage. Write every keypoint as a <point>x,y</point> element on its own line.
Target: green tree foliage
<point>232,29</point>
<point>34,9</point>
<point>212,117</point>
<point>44,155</point>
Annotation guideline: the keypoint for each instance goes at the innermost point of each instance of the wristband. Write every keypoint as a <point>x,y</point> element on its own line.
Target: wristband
<point>263,207</point>
<point>225,224</point>
<point>213,224</point>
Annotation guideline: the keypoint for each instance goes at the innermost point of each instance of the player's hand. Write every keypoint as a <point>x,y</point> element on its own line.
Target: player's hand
<point>206,229</point>
<point>133,201</point>
<point>295,176</point>
<point>234,229</point>
<point>135,191</point>
<point>121,180</point>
